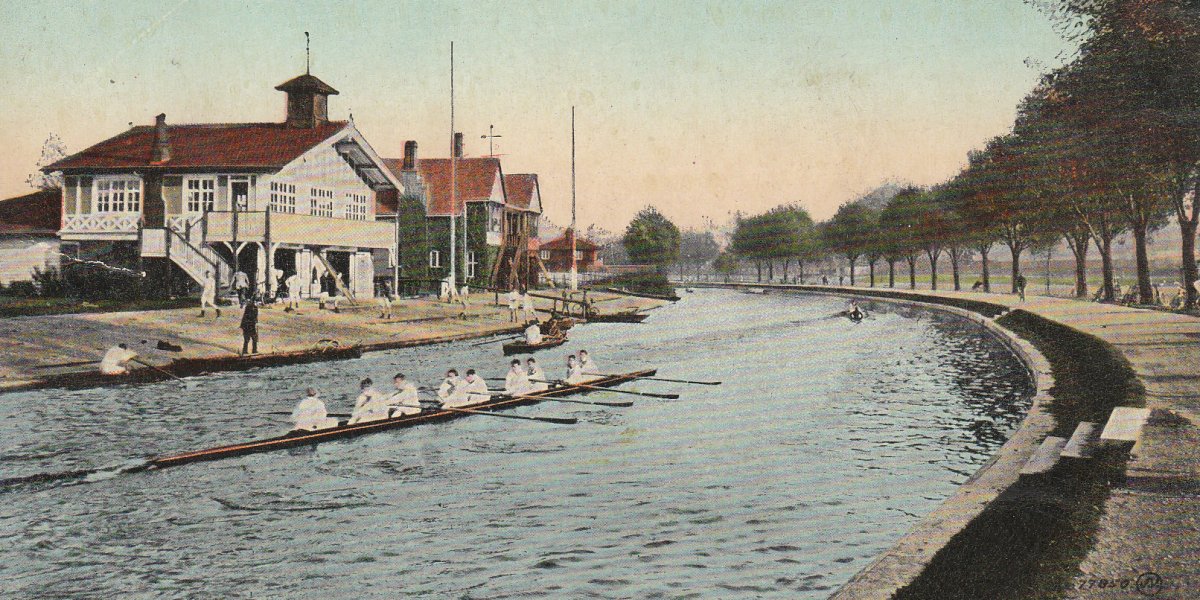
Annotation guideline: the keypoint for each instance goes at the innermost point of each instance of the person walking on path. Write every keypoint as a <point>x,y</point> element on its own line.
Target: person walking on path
<point>250,326</point>
<point>293,290</point>
<point>385,301</point>
<point>241,285</point>
<point>1021,283</point>
<point>208,294</point>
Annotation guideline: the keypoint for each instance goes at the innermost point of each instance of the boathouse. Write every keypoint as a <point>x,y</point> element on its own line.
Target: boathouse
<point>270,199</point>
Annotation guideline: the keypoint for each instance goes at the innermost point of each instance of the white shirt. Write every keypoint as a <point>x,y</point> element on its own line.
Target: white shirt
<point>475,392</point>
<point>513,300</point>
<point>533,334</point>
<point>310,414</point>
<point>527,302</point>
<point>537,379</point>
<point>449,388</point>
<point>241,280</point>
<point>293,285</point>
<point>588,367</point>
<point>406,400</point>
<point>209,289</point>
<point>516,382</point>
<point>574,373</point>
<point>114,361</point>
<point>369,406</point>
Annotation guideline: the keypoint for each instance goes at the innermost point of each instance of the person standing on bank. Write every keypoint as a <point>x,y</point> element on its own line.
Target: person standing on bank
<point>208,294</point>
<point>293,290</point>
<point>250,326</point>
<point>241,285</point>
<point>514,300</point>
<point>1021,283</point>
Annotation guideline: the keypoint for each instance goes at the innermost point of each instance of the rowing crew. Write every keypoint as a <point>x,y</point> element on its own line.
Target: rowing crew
<point>311,413</point>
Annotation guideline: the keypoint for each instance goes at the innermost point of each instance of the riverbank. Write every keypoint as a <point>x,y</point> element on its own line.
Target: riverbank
<point>64,350</point>
<point>1083,532</point>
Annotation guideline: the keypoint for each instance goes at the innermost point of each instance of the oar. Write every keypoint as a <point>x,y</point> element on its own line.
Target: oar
<point>604,389</point>
<point>159,369</point>
<point>557,420</point>
<point>78,363</point>
<point>543,398</point>
<point>334,415</point>
<point>658,379</point>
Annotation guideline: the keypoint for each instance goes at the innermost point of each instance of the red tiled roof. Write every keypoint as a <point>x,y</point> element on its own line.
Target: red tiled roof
<point>563,242</point>
<point>38,212</point>
<point>236,145</point>
<point>520,188</point>
<point>476,176</point>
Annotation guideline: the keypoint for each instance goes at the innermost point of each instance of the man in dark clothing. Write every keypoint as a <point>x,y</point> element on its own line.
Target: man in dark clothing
<point>250,326</point>
<point>1021,283</point>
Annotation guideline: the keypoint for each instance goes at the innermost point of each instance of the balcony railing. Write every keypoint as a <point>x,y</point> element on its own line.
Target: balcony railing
<point>104,225</point>
<point>299,229</point>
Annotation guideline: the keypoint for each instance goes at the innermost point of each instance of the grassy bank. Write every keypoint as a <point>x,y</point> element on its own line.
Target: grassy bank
<point>1029,542</point>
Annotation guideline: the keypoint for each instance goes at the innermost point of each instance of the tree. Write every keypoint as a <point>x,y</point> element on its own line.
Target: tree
<point>696,248</point>
<point>652,239</point>
<point>849,233</point>
<point>899,221</point>
<point>53,150</point>
<point>726,264</point>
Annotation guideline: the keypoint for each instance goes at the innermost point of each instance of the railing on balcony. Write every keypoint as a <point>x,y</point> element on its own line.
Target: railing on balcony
<point>289,228</point>
<point>114,225</point>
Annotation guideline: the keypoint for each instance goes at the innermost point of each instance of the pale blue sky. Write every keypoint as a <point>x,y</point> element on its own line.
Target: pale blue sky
<point>699,108</point>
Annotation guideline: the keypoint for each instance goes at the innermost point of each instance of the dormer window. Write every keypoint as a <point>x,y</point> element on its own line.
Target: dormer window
<point>118,195</point>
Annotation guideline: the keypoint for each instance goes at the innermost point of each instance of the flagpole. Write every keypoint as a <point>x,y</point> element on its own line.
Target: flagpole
<point>574,265</point>
<point>453,182</point>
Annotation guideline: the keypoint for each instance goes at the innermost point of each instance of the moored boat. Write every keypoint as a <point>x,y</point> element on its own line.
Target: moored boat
<point>522,347</point>
<point>295,439</point>
<point>625,292</point>
<point>625,317</point>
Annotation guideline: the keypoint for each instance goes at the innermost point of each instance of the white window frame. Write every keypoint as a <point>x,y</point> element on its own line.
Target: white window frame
<point>435,259</point>
<point>130,199</point>
<point>471,264</point>
<point>283,197</point>
<point>356,206</point>
<point>578,255</point>
<point>544,254</point>
<point>320,202</point>
<point>196,197</point>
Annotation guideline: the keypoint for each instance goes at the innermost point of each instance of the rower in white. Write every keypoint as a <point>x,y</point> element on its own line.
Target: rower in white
<point>310,413</point>
<point>516,382</point>
<point>574,372</point>
<point>537,377</point>
<point>404,400</point>
<point>533,334</point>
<point>475,391</point>
<point>371,405</point>
<point>450,387</point>
<point>116,360</point>
<point>587,366</point>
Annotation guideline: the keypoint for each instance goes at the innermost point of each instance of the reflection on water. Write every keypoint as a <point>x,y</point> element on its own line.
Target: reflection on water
<point>826,442</point>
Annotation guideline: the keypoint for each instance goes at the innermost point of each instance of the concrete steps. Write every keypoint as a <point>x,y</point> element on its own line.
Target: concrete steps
<point>1044,458</point>
<point>1082,442</point>
<point>1124,428</point>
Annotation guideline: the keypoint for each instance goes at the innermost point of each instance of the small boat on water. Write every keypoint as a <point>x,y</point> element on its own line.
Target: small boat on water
<point>522,347</point>
<point>307,438</point>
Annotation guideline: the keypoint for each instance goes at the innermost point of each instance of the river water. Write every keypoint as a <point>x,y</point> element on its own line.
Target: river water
<point>826,442</point>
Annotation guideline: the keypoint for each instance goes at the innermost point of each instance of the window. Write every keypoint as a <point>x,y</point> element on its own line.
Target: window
<point>471,262</point>
<point>322,202</point>
<point>356,206</point>
<point>283,197</point>
<point>578,255</point>
<point>544,255</point>
<point>494,213</point>
<point>435,259</point>
<point>118,195</point>
<point>201,195</point>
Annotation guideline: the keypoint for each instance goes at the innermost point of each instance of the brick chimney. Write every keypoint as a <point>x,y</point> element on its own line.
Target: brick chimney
<point>162,144</point>
<point>410,155</point>
<point>458,145</point>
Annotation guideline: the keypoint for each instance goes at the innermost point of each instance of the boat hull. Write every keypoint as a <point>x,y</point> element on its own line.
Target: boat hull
<point>350,431</point>
<point>526,348</point>
<point>617,318</point>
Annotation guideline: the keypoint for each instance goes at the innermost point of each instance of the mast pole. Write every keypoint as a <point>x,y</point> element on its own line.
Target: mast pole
<point>574,265</point>
<point>453,182</point>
